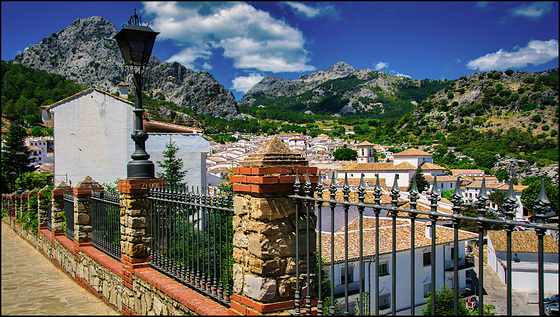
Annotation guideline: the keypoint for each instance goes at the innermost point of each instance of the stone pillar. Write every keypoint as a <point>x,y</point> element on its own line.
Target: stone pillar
<point>135,225</point>
<point>82,211</point>
<point>42,208</point>
<point>58,207</point>
<point>23,203</point>
<point>264,241</point>
<point>32,193</point>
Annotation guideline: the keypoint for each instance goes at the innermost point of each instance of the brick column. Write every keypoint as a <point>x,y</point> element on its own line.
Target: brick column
<point>82,211</point>
<point>42,209</point>
<point>264,243</point>
<point>23,203</point>
<point>58,208</point>
<point>135,225</point>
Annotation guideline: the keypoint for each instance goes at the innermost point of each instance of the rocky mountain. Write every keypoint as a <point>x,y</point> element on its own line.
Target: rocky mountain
<point>341,85</point>
<point>492,101</point>
<point>86,52</point>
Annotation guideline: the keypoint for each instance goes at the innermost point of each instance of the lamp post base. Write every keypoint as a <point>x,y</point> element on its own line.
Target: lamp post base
<point>140,169</point>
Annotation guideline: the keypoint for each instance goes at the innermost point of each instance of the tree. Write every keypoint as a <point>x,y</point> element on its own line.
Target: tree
<point>345,154</point>
<point>421,182</point>
<point>15,142</point>
<point>444,304</point>
<point>530,194</point>
<point>172,165</point>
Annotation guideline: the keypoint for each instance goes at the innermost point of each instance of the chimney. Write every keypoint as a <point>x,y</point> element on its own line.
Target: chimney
<point>123,91</point>
<point>428,231</point>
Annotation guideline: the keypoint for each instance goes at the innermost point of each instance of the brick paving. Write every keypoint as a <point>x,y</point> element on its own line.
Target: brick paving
<point>32,285</point>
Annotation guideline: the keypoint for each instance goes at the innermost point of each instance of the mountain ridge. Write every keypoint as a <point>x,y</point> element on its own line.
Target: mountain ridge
<point>86,52</point>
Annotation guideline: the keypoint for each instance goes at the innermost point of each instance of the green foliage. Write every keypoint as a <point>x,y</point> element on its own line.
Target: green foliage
<point>29,218</point>
<point>448,194</point>
<point>30,180</point>
<point>421,182</point>
<point>444,304</point>
<point>39,131</point>
<point>497,198</point>
<point>14,142</point>
<point>530,194</point>
<point>345,154</point>
<point>470,225</point>
<point>427,87</point>
<point>173,172</point>
<point>25,89</point>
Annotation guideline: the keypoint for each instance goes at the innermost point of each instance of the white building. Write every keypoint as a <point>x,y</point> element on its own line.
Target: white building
<point>423,265</point>
<point>471,189</point>
<point>41,150</point>
<point>524,247</point>
<point>402,168</point>
<point>92,138</point>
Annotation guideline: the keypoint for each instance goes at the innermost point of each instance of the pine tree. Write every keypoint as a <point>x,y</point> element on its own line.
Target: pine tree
<point>15,142</point>
<point>172,165</point>
<point>421,182</point>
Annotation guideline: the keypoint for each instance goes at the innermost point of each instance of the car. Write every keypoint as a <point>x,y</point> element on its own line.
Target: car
<point>551,309</point>
<point>518,228</point>
<point>551,299</point>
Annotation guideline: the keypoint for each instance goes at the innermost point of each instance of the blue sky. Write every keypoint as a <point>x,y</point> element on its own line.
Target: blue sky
<point>240,43</point>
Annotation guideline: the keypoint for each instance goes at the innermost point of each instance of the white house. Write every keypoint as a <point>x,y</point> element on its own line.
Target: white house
<point>524,267</point>
<point>92,138</point>
<point>472,188</point>
<point>402,168</point>
<point>41,150</point>
<point>423,264</point>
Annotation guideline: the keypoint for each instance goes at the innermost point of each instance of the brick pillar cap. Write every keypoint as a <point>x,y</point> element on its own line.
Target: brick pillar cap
<point>274,153</point>
<point>62,186</point>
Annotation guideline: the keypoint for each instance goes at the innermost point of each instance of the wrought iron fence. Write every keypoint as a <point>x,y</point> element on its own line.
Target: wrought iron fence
<point>49,217</point>
<point>68,198</point>
<point>106,226</point>
<point>355,238</point>
<point>192,238</point>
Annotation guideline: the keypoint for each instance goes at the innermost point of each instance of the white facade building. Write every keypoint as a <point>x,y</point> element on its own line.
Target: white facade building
<point>92,138</point>
<point>422,264</point>
<point>524,247</point>
<point>41,150</point>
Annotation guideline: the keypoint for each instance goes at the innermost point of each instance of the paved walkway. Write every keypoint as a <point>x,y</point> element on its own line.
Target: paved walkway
<point>496,294</point>
<point>32,285</point>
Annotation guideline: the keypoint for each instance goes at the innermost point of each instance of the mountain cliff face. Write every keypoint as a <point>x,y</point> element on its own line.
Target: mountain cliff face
<point>86,52</point>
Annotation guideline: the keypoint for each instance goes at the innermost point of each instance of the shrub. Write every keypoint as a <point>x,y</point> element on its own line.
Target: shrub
<point>536,118</point>
<point>529,80</point>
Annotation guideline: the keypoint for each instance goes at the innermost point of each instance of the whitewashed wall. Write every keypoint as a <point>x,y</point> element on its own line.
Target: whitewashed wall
<point>91,137</point>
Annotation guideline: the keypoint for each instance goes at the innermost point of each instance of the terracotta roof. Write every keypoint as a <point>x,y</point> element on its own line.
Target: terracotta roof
<point>465,171</point>
<point>164,127</point>
<point>404,166</point>
<point>366,143</point>
<point>365,167</point>
<point>83,92</point>
<point>427,166</point>
<point>412,152</point>
<point>522,241</point>
<point>443,235</point>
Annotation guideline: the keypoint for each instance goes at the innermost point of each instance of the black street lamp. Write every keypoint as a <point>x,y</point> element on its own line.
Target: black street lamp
<point>136,42</point>
<point>20,157</point>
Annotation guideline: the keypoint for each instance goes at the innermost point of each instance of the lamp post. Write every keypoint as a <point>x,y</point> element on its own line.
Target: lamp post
<point>20,157</point>
<point>136,42</point>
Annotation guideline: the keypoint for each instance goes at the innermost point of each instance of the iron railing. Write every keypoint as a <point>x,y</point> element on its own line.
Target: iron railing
<point>49,217</point>
<point>106,226</point>
<point>192,237</point>
<point>311,201</point>
<point>68,198</point>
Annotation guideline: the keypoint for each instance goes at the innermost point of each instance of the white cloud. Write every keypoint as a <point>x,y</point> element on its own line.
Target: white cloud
<point>534,10</point>
<point>402,75</point>
<point>313,12</point>
<point>244,83</point>
<point>381,65</point>
<point>251,38</point>
<point>536,53</point>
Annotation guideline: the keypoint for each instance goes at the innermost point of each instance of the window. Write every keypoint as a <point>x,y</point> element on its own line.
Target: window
<point>397,176</point>
<point>427,289</point>
<point>453,253</point>
<point>427,258</point>
<point>383,269</point>
<point>349,276</point>
<point>451,185</point>
<point>385,301</point>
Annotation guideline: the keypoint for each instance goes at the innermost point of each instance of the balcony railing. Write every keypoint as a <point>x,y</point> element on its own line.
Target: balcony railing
<point>335,251</point>
<point>68,198</point>
<point>192,238</point>
<point>106,226</point>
